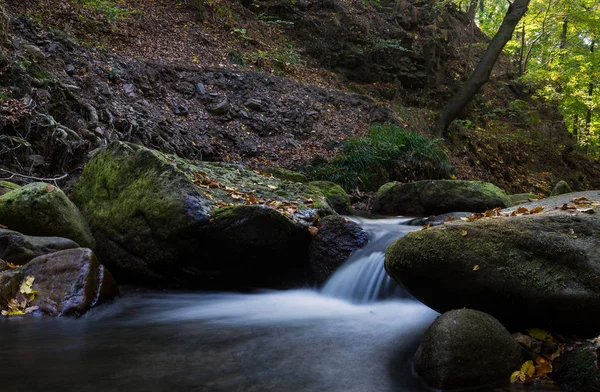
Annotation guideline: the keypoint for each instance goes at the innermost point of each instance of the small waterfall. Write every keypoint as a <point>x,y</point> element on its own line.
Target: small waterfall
<point>362,278</point>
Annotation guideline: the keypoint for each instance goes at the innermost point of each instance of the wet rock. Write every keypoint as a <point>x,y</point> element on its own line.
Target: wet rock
<point>336,239</point>
<point>162,220</point>
<point>335,194</point>
<point>577,368</point>
<point>438,197</point>
<point>69,282</point>
<point>42,209</point>
<point>466,348</point>
<point>561,188</point>
<point>200,89</point>
<point>19,249</point>
<point>547,263</point>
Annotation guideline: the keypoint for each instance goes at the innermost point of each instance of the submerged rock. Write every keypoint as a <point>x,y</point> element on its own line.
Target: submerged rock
<point>67,282</point>
<point>433,197</point>
<point>537,270</point>
<point>336,239</point>
<point>163,220</point>
<point>17,248</point>
<point>467,348</point>
<point>41,209</point>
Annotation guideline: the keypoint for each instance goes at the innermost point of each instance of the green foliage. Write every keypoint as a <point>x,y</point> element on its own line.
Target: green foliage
<point>108,8</point>
<point>388,153</point>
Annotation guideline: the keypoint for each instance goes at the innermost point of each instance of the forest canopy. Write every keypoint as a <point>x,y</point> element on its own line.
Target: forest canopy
<point>554,51</point>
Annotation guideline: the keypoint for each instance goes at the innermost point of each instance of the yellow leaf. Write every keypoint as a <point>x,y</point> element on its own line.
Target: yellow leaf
<point>463,233</point>
<point>540,334</point>
<point>27,286</point>
<point>12,266</point>
<point>528,369</point>
<point>476,268</point>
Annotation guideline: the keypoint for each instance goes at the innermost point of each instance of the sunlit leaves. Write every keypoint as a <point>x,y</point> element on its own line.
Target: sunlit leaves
<point>21,304</point>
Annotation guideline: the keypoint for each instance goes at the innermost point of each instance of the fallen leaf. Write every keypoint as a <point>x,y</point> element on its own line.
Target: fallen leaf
<point>50,188</point>
<point>313,230</point>
<point>476,268</point>
<point>463,233</point>
<point>536,210</point>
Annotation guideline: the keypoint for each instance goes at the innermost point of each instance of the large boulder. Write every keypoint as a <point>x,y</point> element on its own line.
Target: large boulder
<point>18,249</point>
<point>163,220</point>
<point>537,270</point>
<point>67,283</point>
<point>433,197</point>
<point>336,239</point>
<point>336,196</point>
<point>41,209</point>
<point>467,348</point>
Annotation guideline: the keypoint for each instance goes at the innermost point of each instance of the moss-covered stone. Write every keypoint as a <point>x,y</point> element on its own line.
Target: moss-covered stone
<point>6,186</point>
<point>577,368</point>
<point>160,219</point>
<point>466,348</point>
<point>546,263</point>
<point>287,175</point>
<point>41,209</point>
<point>432,197</point>
<point>521,198</point>
<point>561,188</point>
<point>336,196</point>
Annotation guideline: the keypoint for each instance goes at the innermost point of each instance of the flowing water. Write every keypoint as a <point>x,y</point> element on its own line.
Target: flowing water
<point>344,339</point>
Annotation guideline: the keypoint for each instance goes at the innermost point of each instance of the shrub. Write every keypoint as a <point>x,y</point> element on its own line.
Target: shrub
<point>389,153</point>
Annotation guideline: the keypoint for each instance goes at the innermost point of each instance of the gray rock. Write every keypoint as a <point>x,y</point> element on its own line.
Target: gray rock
<point>546,263</point>
<point>42,209</point>
<point>68,282</point>
<point>431,197</point>
<point>220,108</point>
<point>561,188</point>
<point>467,348</point>
<point>163,220</point>
<point>19,249</point>
<point>336,239</point>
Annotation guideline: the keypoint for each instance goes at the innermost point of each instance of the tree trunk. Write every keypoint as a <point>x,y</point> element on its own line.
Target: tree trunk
<point>482,72</point>
<point>588,116</point>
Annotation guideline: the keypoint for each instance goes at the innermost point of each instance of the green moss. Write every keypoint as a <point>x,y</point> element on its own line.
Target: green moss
<point>44,210</point>
<point>287,175</point>
<point>335,195</point>
<point>6,186</point>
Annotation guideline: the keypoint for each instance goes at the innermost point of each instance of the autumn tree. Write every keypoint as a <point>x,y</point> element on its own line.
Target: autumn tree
<point>482,72</point>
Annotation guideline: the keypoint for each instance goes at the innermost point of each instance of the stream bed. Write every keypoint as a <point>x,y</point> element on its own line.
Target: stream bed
<point>356,335</point>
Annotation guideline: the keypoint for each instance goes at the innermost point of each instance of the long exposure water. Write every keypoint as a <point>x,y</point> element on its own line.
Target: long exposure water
<point>298,340</point>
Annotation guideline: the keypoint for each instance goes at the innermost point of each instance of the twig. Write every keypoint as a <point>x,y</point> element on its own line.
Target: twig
<point>31,177</point>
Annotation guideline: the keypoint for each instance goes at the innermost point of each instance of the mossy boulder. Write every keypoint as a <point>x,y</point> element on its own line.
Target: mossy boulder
<point>19,249</point>
<point>521,198</point>
<point>67,283</point>
<point>532,270</point>
<point>287,175</point>
<point>466,348</point>
<point>561,188</point>
<point>41,209</point>
<point>336,196</point>
<point>163,220</point>
<point>433,197</point>
<point>6,186</point>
